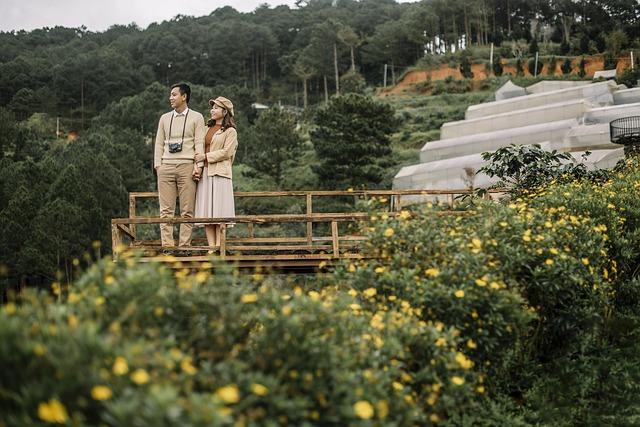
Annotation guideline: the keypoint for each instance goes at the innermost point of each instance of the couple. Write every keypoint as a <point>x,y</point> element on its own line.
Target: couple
<point>194,164</point>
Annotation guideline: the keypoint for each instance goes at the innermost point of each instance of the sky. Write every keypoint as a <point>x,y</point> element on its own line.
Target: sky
<point>98,15</point>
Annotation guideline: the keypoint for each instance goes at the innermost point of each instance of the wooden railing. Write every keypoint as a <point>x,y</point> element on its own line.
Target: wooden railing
<point>273,250</point>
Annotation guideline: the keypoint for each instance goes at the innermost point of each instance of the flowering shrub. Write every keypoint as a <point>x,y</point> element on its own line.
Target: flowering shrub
<point>429,330</point>
<point>137,344</point>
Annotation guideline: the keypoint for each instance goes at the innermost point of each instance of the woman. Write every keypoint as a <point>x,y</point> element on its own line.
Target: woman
<point>214,196</point>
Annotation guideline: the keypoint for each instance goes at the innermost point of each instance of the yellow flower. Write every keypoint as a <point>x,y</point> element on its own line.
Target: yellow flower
<point>73,321</point>
<point>109,280</point>
<point>405,215</point>
<point>286,310</point>
<point>441,342</point>
<point>457,380</point>
<point>259,389</point>
<point>553,251</point>
<point>434,418</point>
<point>432,272</point>
<point>55,288</point>
<point>476,245</point>
<point>549,262</point>
<point>52,412</point>
<point>481,282</point>
<point>202,276</point>
<point>101,392</point>
<point>363,409</point>
<point>369,292</point>
<point>352,268</point>
<point>187,366</point>
<point>472,344</point>
<point>229,394</point>
<point>585,261</point>
<point>377,322</point>
<point>140,377</point>
<point>463,361</point>
<point>314,295</point>
<point>120,366</point>
<point>388,232</point>
<point>39,350</point>
<point>480,389</point>
<point>459,293</point>
<point>10,308</point>
<point>379,270</point>
<point>383,409</point>
<point>503,224</point>
<point>249,298</point>
<point>158,311</point>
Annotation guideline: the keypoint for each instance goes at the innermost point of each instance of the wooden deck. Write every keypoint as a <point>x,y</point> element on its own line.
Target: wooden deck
<point>276,241</point>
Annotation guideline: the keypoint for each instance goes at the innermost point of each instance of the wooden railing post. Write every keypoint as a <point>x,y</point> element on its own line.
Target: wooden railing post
<point>223,240</point>
<point>132,213</point>
<point>309,224</point>
<point>398,202</point>
<point>334,239</point>
<point>116,240</point>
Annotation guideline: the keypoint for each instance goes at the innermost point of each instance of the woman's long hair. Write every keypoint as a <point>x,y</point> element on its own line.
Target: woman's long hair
<point>227,122</point>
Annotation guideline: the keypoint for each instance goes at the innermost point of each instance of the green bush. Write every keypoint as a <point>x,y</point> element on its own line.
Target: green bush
<point>135,344</point>
<point>629,77</point>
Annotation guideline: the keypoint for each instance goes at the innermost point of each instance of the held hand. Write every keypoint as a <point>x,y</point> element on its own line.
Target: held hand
<point>199,157</point>
<point>197,173</point>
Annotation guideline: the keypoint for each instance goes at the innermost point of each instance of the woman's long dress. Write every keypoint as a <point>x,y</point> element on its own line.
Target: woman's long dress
<point>214,195</point>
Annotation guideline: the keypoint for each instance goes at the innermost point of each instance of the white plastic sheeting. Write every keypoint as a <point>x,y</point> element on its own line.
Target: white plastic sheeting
<point>597,93</point>
<point>490,141</point>
<point>572,125</point>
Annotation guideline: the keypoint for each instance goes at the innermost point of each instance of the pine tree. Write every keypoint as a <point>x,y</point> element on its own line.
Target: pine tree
<point>352,141</point>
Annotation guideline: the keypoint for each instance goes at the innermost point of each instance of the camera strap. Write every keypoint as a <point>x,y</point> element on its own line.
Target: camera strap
<point>184,126</point>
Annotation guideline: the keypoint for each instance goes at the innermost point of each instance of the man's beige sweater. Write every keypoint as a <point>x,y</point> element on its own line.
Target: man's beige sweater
<point>194,132</point>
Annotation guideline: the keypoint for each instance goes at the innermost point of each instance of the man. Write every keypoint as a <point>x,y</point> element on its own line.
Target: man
<point>179,138</point>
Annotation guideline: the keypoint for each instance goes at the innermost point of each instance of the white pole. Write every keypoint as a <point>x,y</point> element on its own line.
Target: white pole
<point>385,76</point>
<point>491,57</point>
<point>632,60</point>
<point>535,74</point>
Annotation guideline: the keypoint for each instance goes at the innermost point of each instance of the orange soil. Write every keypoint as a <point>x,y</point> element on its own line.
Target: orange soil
<point>593,64</point>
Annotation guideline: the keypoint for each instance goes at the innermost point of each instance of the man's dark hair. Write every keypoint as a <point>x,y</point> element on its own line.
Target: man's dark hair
<point>184,89</point>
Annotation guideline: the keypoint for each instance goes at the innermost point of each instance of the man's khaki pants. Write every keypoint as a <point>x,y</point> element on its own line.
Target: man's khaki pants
<point>175,181</point>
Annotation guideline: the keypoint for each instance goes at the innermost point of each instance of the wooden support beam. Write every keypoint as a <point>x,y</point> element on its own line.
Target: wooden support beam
<point>132,214</point>
<point>116,240</point>
<point>334,238</point>
<point>127,230</point>
<point>309,223</point>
